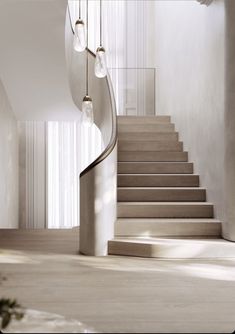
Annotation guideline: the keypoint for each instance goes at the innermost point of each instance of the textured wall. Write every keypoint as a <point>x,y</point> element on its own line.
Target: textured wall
<point>8,164</point>
<point>189,57</point>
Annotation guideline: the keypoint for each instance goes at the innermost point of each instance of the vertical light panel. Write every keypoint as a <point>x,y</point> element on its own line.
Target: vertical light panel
<point>62,174</point>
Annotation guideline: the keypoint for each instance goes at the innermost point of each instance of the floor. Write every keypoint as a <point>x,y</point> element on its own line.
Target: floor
<point>117,294</point>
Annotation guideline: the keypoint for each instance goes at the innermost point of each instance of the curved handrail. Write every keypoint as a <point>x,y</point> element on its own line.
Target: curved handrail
<point>98,182</point>
<point>113,139</point>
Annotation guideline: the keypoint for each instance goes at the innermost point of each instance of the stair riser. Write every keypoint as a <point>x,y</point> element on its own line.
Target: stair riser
<point>143,119</point>
<point>147,146</point>
<point>145,136</point>
<point>158,127</point>
<point>128,180</point>
<point>164,211</point>
<point>153,156</point>
<point>154,168</point>
<point>161,195</point>
<point>125,229</point>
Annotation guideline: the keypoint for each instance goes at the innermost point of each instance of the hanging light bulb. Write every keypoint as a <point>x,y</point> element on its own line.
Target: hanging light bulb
<point>87,105</point>
<point>79,42</point>
<point>87,111</point>
<point>100,62</point>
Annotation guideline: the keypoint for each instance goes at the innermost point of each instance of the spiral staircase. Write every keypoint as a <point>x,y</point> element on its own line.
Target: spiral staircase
<point>140,197</point>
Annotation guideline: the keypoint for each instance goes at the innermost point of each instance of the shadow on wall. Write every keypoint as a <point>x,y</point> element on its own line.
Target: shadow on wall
<point>8,164</point>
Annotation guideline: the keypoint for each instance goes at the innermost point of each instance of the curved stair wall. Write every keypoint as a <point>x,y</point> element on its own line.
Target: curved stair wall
<point>98,182</point>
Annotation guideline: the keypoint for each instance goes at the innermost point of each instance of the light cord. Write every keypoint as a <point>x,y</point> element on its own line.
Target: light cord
<point>101,27</point>
<point>87,65</point>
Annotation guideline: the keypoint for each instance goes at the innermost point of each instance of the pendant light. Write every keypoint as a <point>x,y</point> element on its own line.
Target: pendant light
<point>100,62</point>
<point>87,105</point>
<point>79,42</point>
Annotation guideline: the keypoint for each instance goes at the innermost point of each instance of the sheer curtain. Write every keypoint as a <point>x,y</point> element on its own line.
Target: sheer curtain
<point>51,157</point>
<point>71,148</point>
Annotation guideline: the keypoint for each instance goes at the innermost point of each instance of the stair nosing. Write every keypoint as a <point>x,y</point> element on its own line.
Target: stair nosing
<point>155,162</point>
<point>165,203</point>
<point>162,174</point>
<point>169,220</point>
<point>163,188</point>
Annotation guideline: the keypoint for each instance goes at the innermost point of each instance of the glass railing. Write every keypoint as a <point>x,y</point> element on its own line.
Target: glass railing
<point>134,90</point>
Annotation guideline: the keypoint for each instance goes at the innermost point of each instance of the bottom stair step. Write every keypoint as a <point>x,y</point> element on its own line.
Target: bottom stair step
<point>161,227</point>
<point>178,248</point>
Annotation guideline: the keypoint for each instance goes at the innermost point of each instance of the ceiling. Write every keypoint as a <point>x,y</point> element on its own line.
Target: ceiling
<point>32,59</point>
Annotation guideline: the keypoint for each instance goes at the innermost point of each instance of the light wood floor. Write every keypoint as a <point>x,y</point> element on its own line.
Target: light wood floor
<point>117,294</point>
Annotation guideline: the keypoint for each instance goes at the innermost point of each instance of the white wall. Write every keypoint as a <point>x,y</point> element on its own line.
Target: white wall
<point>187,49</point>
<point>8,164</point>
<point>32,60</point>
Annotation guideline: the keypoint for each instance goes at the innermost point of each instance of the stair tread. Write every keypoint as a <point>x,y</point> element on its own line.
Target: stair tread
<point>170,220</point>
<point>162,174</point>
<point>157,127</point>
<point>149,132</point>
<point>166,203</point>
<point>173,240</point>
<point>155,162</point>
<point>152,152</point>
<point>149,141</point>
<point>152,156</point>
<point>163,188</point>
<point>142,116</point>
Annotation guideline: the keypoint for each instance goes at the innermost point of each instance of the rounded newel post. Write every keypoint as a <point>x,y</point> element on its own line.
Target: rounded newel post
<point>229,162</point>
<point>98,202</point>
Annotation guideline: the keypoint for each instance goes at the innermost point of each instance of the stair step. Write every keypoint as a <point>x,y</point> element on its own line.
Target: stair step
<point>148,194</point>
<point>168,146</point>
<point>149,127</point>
<point>142,136</point>
<point>158,180</point>
<point>177,248</point>
<point>160,227</point>
<point>143,119</point>
<point>152,156</point>
<point>164,210</point>
<point>155,167</point>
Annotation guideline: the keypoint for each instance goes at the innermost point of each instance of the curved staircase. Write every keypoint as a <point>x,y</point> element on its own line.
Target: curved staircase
<point>162,210</point>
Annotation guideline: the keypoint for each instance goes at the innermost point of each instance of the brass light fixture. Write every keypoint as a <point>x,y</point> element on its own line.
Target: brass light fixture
<point>87,105</point>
